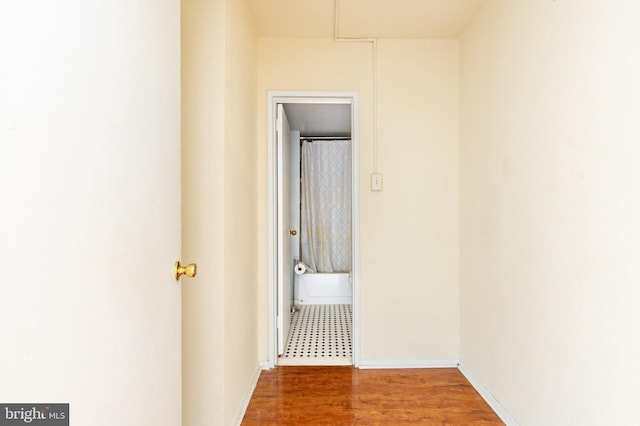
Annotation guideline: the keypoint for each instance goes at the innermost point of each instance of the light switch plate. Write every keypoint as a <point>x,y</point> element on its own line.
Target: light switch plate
<point>376,182</point>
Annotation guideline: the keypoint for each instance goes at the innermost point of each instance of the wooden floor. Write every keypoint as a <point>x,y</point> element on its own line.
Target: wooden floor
<point>350,396</point>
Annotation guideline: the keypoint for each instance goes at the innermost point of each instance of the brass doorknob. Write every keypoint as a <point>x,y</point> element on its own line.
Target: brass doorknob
<point>293,232</point>
<point>189,270</point>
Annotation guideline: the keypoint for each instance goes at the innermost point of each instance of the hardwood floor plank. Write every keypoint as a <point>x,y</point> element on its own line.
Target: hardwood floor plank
<point>350,396</point>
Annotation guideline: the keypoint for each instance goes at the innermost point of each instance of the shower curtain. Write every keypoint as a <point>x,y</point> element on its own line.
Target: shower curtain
<point>325,234</point>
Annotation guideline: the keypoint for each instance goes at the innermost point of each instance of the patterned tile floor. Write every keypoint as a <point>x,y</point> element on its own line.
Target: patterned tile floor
<point>319,335</point>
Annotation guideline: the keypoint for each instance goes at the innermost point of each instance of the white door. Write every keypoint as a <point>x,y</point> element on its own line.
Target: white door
<point>294,216</point>
<point>285,267</point>
<point>90,217</point>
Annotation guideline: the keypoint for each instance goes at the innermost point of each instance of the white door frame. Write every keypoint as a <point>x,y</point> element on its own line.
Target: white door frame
<point>284,97</point>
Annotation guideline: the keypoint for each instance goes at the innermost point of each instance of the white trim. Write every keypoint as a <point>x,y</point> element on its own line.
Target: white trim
<point>271,226</point>
<point>264,365</point>
<point>273,98</point>
<point>343,98</point>
<point>487,396</point>
<point>355,228</point>
<point>410,363</point>
<point>322,361</point>
<point>247,396</point>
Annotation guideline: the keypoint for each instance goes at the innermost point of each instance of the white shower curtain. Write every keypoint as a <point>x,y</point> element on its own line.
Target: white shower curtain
<point>325,234</point>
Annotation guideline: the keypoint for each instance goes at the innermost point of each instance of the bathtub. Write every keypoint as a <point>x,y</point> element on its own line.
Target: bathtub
<point>323,289</point>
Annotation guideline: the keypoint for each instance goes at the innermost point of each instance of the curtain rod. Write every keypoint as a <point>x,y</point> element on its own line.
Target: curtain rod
<point>328,138</point>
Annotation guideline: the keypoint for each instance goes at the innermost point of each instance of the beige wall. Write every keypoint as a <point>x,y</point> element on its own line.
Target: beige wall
<point>550,200</point>
<point>203,28</point>
<point>409,232</point>
<point>240,207</point>
<point>219,193</point>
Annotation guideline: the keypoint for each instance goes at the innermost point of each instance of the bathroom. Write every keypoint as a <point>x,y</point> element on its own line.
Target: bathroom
<point>315,170</point>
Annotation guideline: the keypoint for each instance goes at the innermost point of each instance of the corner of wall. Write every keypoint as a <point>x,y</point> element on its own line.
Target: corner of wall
<point>487,396</point>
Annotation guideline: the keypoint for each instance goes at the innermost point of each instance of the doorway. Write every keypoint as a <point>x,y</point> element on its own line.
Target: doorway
<point>301,123</point>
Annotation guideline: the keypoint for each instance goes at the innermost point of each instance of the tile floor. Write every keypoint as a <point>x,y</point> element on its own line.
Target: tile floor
<point>319,335</point>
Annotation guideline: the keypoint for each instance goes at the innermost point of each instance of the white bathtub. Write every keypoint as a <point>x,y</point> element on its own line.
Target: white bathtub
<point>323,289</point>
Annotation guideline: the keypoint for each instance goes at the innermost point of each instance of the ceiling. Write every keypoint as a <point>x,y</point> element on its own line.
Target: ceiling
<point>319,119</point>
<point>364,18</point>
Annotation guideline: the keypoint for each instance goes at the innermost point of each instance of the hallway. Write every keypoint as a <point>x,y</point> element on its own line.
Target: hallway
<point>497,212</point>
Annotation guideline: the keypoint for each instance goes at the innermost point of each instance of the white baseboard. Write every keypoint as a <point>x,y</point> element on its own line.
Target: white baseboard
<point>248,394</point>
<point>487,396</point>
<point>264,365</point>
<point>402,363</point>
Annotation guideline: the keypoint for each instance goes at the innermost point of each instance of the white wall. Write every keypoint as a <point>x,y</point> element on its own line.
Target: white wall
<point>550,200</point>
<point>219,209</point>
<point>409,232</point>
